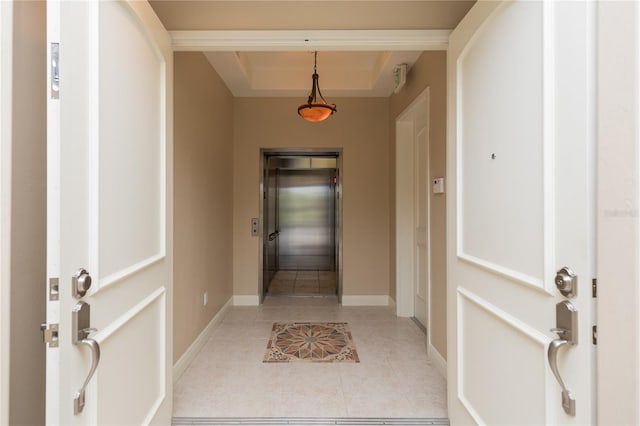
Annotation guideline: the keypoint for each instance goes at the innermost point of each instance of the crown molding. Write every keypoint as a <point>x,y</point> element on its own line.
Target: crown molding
<point>335,40</point>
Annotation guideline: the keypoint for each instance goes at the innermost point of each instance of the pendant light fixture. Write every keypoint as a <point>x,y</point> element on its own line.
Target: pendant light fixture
<point>313,110</point>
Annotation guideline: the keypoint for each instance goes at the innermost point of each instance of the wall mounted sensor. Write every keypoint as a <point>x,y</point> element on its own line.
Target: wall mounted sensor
<point>399,77</point>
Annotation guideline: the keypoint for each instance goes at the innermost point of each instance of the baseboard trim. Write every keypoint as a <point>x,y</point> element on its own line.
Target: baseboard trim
<point>246,300</point>
<point>366,300</point>
<point>189,355</point>
<point>392,304</point>
<point>437,360</point>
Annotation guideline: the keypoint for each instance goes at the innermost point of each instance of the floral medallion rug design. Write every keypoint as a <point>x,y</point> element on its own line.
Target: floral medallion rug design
<point>311,342</point>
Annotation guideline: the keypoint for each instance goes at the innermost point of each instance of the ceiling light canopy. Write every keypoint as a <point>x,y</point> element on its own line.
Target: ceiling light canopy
<point>313,110</point>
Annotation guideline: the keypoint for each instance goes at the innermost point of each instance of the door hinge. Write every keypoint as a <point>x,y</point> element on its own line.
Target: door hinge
<point>50,334</point>
<point>54,289</point>
<point>594,287</point>
<point>55,71</point>
<point>594,334</point>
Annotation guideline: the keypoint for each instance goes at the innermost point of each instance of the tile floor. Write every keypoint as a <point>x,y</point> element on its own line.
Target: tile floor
<point>303,283</point>
<point>393,379</point>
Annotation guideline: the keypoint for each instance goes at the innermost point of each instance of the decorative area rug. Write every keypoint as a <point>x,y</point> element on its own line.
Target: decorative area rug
<point>311,342</point>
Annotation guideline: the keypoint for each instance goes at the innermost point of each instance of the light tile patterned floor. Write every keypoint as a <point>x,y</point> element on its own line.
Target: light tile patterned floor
<point>393,379</point>
<point>303,282</point>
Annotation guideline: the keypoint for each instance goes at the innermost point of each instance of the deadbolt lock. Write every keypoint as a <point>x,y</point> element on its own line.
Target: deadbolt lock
<point>80,283</point>
<point>567,282</point>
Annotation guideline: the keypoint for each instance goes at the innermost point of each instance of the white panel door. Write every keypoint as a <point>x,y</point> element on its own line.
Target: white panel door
<point>110,212</point>
<point>521,205</point>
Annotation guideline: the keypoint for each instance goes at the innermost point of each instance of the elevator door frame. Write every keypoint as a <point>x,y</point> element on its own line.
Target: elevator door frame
<point>310,152</point>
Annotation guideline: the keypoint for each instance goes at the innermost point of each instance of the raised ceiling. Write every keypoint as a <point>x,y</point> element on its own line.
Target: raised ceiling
<point>341,74</point>
<point>285,69</point>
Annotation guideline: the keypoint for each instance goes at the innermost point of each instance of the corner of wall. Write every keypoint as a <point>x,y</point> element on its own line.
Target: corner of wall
<point>438,361</point>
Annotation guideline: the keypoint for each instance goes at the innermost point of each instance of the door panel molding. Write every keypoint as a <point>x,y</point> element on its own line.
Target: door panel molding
<point>488,167</point>
<point>505,327</point>
<point>127,272</point>
<point>522,327</point>
<point>132,195</point>
<point>422,215</point>
<point>143,326</point>
<point>105,333</point>
<point>404,218</point>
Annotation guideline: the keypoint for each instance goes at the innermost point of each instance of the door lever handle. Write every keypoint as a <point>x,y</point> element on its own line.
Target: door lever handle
<point>81,320</point>
<point>567,330</point>
<point>568,401</point>
<point>79,399</point>
<point>274,235</point>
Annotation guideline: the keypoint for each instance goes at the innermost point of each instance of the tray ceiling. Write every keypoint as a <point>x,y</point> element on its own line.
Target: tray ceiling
<point>356,70</point>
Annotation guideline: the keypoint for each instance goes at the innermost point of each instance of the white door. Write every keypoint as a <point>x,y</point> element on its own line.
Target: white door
<point>110,212</point>
<point>520,207</point>
<point>421,188</point>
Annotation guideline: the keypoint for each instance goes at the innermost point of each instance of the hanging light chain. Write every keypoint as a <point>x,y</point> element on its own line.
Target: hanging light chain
<point>315,62</point>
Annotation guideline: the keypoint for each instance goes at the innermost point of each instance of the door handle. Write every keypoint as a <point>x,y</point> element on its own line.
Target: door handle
<point>81,319</point>
<point>568,401</point>
<point>567,330</point>
<point>274,235</point>
<point>79,399</point>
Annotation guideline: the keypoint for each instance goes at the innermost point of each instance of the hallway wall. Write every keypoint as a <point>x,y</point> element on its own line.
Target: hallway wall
<point>203,238</point>
<point>360,127</point>
<point>429,71</point>
<point>28,215</point>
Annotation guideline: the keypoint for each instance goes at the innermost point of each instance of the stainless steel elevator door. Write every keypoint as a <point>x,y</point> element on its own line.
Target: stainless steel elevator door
<point>271,227</point>
<point>306,216</point>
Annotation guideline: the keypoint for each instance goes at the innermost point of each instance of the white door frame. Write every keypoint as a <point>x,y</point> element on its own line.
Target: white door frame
<point>405,206</point>
<point>618,220</point>
<point>6,99</point>
<point>405,210</point>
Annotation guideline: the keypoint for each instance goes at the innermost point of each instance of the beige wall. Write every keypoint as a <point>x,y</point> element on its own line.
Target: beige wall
<point>429,71</point>
<point>203,238</point>
<point>360,128</point>
<point>310,15</point>
<point>28,212</point>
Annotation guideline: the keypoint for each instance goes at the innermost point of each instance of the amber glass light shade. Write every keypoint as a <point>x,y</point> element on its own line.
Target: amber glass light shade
<point>316,112</point>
